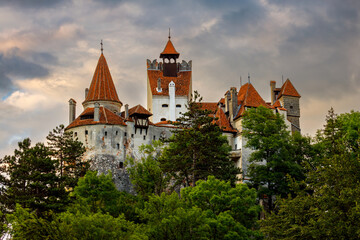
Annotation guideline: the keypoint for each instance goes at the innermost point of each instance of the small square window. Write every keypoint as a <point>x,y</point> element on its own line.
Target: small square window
<point>121,165</point>
<point>86,132</point>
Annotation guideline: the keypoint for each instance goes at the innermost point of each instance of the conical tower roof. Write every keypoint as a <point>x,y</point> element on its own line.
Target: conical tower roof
<point>102,87</point>
<point>169,50</point>
<point>288,89</point>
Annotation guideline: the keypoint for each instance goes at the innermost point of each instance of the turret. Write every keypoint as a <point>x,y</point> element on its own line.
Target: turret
<point>169,56</point>
<point>72,110</point>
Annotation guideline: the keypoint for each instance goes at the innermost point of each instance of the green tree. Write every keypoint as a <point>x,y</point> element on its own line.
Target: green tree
<point>68,152</point>
<point>146,174</point>
<point>32,179</point>
<point>198,148</point>
<point>274,156</point>
<point>231,212</point>
<point>329,206</point>
<point>98,192</point>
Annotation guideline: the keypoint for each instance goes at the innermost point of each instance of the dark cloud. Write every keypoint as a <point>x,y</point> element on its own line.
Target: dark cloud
<point>31,3</point>
<point>13,65</point>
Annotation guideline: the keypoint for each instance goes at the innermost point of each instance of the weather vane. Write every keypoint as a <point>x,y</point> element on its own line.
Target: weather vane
<point>169,34</point>
<point>102,49</point>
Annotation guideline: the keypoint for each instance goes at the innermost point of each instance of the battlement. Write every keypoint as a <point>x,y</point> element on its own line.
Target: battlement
<point>181,67</point>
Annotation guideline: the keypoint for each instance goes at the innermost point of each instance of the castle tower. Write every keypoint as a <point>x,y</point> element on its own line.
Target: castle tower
<point>169,56</point>
<point>289,98</point>
<point>169,85</point>
<point>102,89</point>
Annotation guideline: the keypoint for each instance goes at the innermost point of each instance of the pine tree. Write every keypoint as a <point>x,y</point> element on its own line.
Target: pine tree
<point>198,148</point>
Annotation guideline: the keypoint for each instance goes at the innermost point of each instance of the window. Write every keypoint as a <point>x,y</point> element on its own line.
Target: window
<point>75,134</point>
<point>178,105</point>
<point>132,135</point>
<point>125,134</point>
<point>291,107</point>
<point>154,137</point>
<point>116,133</point>
<point>121,165</point>
<point>235,146</point>
<point>88,116</point>
<point>105,134</point>
<point>163,119</point>
<point>165,105</point>
<point>144,137</point>
<point>86,132</point>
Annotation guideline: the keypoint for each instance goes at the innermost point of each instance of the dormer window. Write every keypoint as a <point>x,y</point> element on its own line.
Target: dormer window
<point>165,105</point>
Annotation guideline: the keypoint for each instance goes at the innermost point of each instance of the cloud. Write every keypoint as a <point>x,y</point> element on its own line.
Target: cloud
<point>31,4</point>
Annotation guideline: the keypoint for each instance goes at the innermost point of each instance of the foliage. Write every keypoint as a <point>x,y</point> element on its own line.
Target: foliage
<point>72,225</point>
<point>146,175</point>
<point>32,179</point>
<point>276,154</point>
<point>68,152</point>
<point>211,210</point>
<point>329,206</point>
<point>38,177</point>
<point>98,192</point>
<point>229,210</point>
<point>198,148</point>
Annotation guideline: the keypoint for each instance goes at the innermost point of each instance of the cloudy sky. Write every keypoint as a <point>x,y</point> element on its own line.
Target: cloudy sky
<point>49,51</point>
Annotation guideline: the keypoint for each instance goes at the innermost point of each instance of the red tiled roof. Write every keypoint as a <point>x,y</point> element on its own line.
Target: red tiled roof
<point>212,106</point>
<point>106,117</point>
<point>249,97</point>
<point>182,83</point>
<point>139,110</point>
<point>288,89</point>
<point>169,49</point>
<point>102,86</point>
<point>223,122</point>
<point>222,101</point>
<point>277,104</point>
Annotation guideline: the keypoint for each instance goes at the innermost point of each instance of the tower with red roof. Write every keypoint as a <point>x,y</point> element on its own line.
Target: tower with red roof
<point>169,85</point>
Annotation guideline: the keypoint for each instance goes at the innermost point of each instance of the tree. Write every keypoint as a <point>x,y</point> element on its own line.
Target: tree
<point>198,148</point>
<point>39,177</point>
<point>68,152</point>
<point>274,157</point>
<point>329,205</point>
<point>98,192</point>
<point>31,179</point>
<point>146,175</point>
<point>231,212</point>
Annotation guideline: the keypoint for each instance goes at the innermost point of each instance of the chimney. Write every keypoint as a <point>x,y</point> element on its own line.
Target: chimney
<point>86,92</point>
<point>227,99</point>
<point>232,103</point>
<point>159,85</point>
<point>72,110</point>
<point>272,92</point>
<point>126,111</point>
<point>97,112</point>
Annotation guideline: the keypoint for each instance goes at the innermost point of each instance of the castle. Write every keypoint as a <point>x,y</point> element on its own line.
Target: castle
<point>110,134</point>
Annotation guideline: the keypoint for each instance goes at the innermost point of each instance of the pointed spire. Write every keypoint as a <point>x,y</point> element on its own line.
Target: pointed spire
<point>169,49</point>
<point>102,86</point>
<point>288,89</point>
